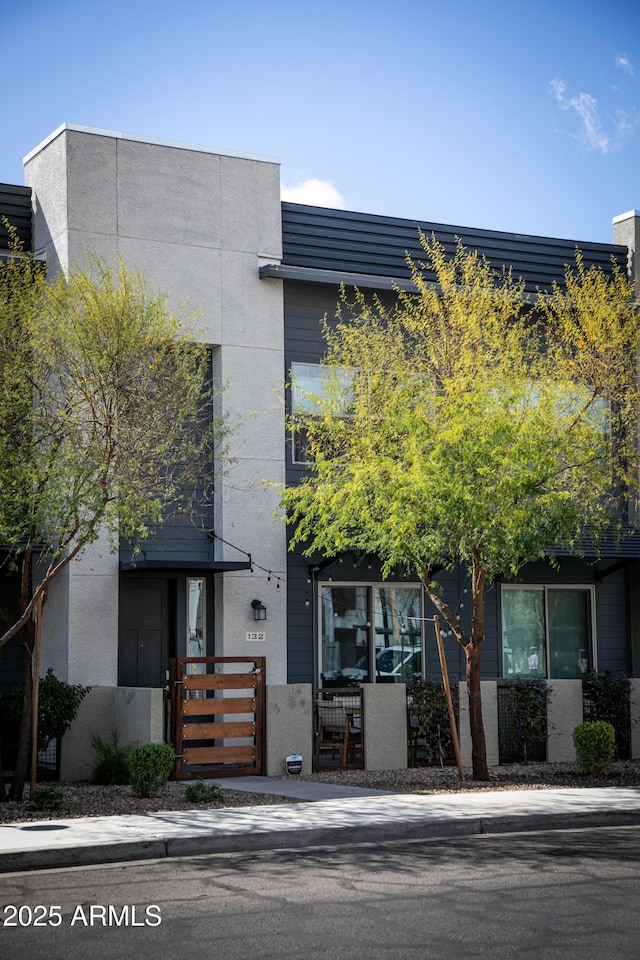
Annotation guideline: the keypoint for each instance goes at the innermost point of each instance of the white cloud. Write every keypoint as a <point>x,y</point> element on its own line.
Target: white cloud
<point>624,124</point>
<point>622,61</point>
<point>317,193</point>
<point>592,132</point>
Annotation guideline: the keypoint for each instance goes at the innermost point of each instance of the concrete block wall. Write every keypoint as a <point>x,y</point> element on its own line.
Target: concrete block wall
<point>289,726</point>
<point>136,713</point>
<point>385,726</point>
<point>290,719</point>
<point>564,714</point>
<point>95,715</point>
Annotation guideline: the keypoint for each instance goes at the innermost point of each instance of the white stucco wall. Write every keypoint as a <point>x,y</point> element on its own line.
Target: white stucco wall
<point>198,223</point>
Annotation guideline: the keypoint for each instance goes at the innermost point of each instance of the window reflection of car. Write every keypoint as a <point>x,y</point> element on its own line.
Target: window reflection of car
<point>392,663</point>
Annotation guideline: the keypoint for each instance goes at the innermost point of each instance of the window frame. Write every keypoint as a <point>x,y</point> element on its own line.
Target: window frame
<point>370,586</point>
<point>196,632</point>
<point>546,589</point>
<point>299,441</point>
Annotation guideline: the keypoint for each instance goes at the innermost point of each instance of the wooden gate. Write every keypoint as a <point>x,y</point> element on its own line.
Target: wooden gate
<point>218,716</point>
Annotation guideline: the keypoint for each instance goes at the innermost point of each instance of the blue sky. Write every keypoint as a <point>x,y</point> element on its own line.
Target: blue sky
<point>509,115</point>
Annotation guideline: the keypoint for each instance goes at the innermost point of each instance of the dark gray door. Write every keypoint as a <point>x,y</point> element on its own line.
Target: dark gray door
<point>145,636</point>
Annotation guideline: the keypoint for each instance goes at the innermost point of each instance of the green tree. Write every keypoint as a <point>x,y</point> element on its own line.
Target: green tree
<point>479,426</point>
<point>106,426</point>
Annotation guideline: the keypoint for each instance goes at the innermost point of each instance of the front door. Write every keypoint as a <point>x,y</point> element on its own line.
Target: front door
<point>146,638</point>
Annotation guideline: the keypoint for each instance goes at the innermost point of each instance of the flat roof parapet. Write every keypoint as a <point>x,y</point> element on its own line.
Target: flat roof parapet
<point>119,135</point>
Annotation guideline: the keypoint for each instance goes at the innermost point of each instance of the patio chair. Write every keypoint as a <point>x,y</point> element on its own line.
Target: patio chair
<point>332,727</point>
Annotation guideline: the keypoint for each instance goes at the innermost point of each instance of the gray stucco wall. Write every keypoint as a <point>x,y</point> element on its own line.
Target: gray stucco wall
<point>564,714</point>
<point>198,224</point>
<point>385,726</point>
<point>289,727</point>
<point>626,231</point>
<point>135,714</point>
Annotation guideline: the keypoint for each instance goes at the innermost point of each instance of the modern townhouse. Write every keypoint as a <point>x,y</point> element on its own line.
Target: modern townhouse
<point>209,227</point>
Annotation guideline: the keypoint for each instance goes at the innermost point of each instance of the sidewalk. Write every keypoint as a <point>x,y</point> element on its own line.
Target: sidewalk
<point>333,815</point>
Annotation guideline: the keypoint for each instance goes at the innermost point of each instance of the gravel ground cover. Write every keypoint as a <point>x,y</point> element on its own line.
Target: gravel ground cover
<point>85,800</point>
<point>531,776</point>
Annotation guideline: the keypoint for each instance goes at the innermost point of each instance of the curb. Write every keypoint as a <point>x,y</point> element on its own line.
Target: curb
<point>195,846</point>
<point>54,857</point>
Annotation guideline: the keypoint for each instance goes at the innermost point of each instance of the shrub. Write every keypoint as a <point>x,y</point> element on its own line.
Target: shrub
<point>429,716</point>
<point>47,798</point>
<point>200,792</point>
<point>111,761</point>
<point>608,698</point>
<point>150,766</point>
<point>58,704</point>
<point>526,705</point>
<point>595,745</point>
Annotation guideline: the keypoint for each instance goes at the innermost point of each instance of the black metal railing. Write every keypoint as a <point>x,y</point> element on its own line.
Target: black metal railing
<point>511,748</point>
<point>48,763</point>
<point>338,727</point>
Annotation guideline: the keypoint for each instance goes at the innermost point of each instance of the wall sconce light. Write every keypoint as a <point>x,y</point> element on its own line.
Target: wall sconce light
<point>259,610</point>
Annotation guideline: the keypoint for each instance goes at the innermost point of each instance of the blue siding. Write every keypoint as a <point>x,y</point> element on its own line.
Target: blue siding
<point>612,624</point>
<point>305,305</point>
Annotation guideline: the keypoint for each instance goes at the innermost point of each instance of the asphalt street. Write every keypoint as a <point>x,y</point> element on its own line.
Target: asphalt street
<point>554,895</point>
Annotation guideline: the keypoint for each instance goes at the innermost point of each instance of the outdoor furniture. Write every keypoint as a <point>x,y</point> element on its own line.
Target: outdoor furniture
<point>339,733</point>
<point>332,723</point>
<point>352,736</point>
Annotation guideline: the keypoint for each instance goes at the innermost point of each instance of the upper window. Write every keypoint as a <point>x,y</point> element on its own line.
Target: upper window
<point>310,384</point>
<point>547,631</point>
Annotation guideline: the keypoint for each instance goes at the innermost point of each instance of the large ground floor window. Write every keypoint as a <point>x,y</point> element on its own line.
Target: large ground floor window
<point>370,633</point>
<point>547,631</point>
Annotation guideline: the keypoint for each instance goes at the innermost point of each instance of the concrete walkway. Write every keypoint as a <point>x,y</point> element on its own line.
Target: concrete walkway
<point>331,815</point>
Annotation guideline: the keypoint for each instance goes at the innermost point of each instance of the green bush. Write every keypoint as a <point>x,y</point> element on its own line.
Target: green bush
<point>526,704</point>
<point>150,766</point>
<point>608,698</point>
<point>47,798</point>
<point>595,744</point>
<point>58,704</point>
<point>429,716</point>
<point>110,761</point>
<point>200,792</point>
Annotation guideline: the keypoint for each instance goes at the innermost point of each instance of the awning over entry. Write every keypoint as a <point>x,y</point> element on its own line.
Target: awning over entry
<point>185,566</point>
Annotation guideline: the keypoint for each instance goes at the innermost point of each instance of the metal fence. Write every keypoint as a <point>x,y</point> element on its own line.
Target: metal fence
<point>619,718</point>
<point>433,746</point>
<point>338,729</point>
<point>48,760</point>
<point>509,744</point>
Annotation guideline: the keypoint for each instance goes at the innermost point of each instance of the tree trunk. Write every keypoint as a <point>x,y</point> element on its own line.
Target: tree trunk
<point>473,649</point>
<point>24,743</point>
<point>3,790</point>
<point>478,743</point>
<point>473,652</point>
<point>27,636</point>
